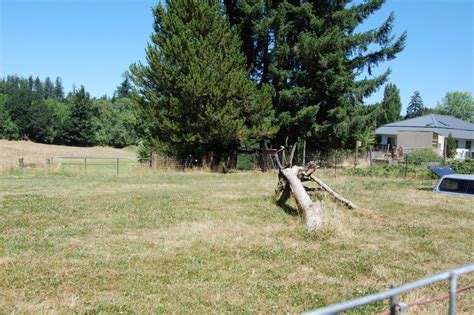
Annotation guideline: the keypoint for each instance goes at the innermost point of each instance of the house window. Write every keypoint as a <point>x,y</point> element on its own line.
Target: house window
<point>468,145</point>
<point>457,143</point>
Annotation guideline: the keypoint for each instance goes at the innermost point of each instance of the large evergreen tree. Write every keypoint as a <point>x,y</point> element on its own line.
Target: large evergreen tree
<point>195,87</point>
<point>48,88</point>
<point>79,128</point>
<point>415,107</point>
<point>41,126</point>
<point>20,96</point>
<point>8,129</point>
<point>38,89</point>
<point>125,88</point>
<point>58,89</point>
<point>312,55</point>
<point>391,105</point>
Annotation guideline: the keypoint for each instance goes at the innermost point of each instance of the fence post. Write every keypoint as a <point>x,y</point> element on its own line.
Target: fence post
<point>85,165</point>
<point>117,166</point>
<point>406,164</point>
<point>335,164</point>
<point>304,152</point>
<point>356,159</point>
<point>452,294</point>
<point>153,160</point>
<point>370,156</point>
<point>393,302</point>
<point>21,163</point>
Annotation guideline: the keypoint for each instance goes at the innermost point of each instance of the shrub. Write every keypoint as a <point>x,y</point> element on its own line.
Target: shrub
<point>421,156</point>
<point>450,146</point>
<point>463,167</point>
<point>392,171</point>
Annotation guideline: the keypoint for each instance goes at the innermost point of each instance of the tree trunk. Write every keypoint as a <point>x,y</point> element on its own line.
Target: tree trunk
<point>208,159</point>
<point>232,158</point>
<point>262,157</point>
<point>312,210</point>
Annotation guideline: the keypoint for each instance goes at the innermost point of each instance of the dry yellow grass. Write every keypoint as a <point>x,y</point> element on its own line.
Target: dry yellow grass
<point>37,153</point>
<point>197,242</point>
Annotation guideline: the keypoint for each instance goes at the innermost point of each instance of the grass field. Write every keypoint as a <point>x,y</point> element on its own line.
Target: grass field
<point>197,242</point>
<point>37,153</point>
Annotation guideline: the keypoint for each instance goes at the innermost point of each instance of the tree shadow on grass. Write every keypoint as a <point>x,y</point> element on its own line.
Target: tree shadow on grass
<point>287,209</point>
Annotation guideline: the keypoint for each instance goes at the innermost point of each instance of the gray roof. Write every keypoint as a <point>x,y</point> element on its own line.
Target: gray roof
<point>441,124</point>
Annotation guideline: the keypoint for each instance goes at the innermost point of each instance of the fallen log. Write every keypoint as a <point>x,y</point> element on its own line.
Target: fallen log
<point>345,201</point>
<point>312,210</point>
<point>290,182</point>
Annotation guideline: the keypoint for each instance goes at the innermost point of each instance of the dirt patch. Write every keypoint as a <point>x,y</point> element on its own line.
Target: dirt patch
<point>36,154</point>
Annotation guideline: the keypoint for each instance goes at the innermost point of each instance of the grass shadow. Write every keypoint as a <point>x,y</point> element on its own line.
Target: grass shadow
<point>425,188</point>
<point>287,209</point>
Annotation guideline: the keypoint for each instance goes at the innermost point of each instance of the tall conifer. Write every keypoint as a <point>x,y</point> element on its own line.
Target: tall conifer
<point>313,56</point>
<point>195,85</point>
<point>391,105</point>
<point>415,107</point>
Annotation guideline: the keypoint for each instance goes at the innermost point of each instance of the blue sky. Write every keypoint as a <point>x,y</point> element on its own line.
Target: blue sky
<point>92,43</point>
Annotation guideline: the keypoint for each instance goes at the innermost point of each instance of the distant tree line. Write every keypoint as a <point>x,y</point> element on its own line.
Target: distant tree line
<point>457,104</point>
<point>39,110</point>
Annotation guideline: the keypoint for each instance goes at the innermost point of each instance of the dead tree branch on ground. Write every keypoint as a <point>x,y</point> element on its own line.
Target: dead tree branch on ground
<point>290,181</point>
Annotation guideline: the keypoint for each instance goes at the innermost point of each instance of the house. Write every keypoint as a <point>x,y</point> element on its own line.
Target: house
<point>429,131</point>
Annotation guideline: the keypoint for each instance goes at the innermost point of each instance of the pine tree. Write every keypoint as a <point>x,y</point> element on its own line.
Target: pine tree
<point>18,103</point>
<point>58,90</point>
<point>391,105</point>
<point>48,88</point>
<point>38,89</point>
<point>195,87</point>
<point>312,55</point>
<point>78,128</point>
<point>8,129</point>
<point>125,88</point>
<point>41,127</point>
<point>415,107</point>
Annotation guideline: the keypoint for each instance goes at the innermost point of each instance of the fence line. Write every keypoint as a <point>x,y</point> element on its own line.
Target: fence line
<point>392,294</point>
<point>108,161</point>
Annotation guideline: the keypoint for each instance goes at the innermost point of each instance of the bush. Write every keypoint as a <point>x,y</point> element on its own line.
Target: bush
<point>144,150</point>
<point>463,167</point>
<point>392,171</point>
<point>245,161</point>
<point>421,156</point>
<point>450,146</point>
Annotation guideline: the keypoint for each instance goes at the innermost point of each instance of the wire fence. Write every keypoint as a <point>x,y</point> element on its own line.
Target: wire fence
<point>341,162</point>
<point>98,165</point>
<point>373,162</point>
<point>396,307</point>
<point>264,159</point>
<point>108,165</point>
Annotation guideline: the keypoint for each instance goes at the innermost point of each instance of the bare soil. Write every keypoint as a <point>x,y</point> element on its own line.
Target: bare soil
<point>38,153</point>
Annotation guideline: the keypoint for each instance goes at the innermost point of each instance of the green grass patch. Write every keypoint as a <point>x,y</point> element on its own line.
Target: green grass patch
<point>197,242</point>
